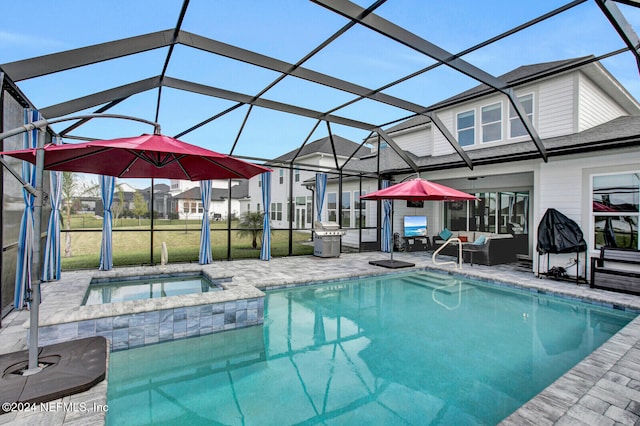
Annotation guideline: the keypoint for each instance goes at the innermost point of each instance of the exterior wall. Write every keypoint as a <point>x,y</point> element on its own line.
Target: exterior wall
<point>441,145</point>
<point>594,106</point>
<point>556,107</point>
<point>352,186</point>
<point>565,185</point>
<point>418,141</point>
<point>219,207</point>
<point>280,194</point>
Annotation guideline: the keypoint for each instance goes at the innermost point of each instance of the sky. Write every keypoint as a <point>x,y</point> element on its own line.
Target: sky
<point>288,30</point>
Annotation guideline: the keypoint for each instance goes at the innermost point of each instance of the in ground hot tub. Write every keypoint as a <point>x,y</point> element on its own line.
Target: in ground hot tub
<point>114,290</point>
<point>175,306</point>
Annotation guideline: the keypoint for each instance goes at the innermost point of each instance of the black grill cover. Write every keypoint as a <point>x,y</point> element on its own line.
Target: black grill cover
<point>559,234</point>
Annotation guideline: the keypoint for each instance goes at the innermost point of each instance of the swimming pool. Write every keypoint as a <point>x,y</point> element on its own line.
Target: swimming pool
<point>146,287</point>
<point>414,348</point>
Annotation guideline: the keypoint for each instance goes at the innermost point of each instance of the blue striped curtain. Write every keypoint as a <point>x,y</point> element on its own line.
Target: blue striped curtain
<point>205,256</point>
<point>386,237</point>
<point>265,249</point>
<point>51,266</point>
<point>321,187</point>
<point>25,236</point>
<point>108,186</point>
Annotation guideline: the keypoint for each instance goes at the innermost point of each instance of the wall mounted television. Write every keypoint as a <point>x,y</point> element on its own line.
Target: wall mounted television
<point>415,226</point>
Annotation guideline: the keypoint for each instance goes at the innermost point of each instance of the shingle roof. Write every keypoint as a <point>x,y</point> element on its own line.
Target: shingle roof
<point>512,78</point>
<point>344,147</point>
<point>239,191</point>
<point>622,131</point>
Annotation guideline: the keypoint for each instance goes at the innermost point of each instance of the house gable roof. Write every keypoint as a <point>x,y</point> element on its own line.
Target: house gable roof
<point>513,78</point>
<point>343,147</point>
<point>620,132</point>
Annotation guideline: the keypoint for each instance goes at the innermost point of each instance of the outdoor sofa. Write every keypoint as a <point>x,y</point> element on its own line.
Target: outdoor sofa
<point>493,249</point>
<point>616,269</point>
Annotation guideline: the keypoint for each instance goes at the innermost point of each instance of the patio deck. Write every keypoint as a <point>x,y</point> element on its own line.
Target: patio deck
<point>603,389</point>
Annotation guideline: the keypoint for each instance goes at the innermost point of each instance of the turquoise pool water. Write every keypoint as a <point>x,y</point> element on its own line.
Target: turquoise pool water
<point>140,288</point>
<point>406,349</point>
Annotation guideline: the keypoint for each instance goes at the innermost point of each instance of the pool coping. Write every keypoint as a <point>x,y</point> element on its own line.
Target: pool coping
<point>596,391</point>
<point>77,283</point>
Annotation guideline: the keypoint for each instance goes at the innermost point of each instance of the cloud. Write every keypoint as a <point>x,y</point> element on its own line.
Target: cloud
<point>9,40</point>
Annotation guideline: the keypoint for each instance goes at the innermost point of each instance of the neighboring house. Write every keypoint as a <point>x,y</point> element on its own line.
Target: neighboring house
<point>162,200</point>
<point>90,201</point>
<point>589,126</point>
<point>188,204</point>
<point>316,155</point>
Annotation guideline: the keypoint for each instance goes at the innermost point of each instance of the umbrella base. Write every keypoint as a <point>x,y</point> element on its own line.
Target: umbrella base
<point>70,367</point>
<point>392,264</point>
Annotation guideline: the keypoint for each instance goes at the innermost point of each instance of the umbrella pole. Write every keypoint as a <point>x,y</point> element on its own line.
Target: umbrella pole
<point>35,260</point>
<point>392,238</point>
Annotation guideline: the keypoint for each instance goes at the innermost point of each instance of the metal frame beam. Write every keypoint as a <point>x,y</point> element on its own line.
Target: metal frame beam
<point>398,150</point>
<point>56,62</point>
<point>388,29</point>
<point>265,103</point>
<point>99,98</point>
<point>622,26</point>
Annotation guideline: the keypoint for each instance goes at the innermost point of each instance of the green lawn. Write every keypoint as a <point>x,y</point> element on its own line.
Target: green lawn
<point>132,241</point>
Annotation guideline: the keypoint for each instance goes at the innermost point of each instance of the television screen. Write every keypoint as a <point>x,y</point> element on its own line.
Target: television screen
<point>415,226</point>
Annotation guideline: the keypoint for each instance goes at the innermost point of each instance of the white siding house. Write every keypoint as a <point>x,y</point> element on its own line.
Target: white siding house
<point>317,156</point>
<point>589,125</point>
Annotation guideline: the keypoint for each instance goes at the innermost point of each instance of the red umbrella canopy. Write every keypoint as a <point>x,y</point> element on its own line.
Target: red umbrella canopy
<point>145,156</point>
<point>417,190</point>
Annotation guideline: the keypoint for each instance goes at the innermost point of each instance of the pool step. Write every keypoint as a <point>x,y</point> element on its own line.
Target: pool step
<point>447,284</point>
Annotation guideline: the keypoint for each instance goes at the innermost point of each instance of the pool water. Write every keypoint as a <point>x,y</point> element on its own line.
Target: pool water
<point>411,348</point>
<point>150,287</point>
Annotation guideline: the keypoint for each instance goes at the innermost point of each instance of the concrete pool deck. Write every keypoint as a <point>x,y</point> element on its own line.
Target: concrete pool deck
<point>603,389</point>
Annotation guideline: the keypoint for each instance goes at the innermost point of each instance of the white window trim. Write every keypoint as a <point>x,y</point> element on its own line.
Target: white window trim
<point>532,118</point>
<point>592,224</point>
<point>482,124</point>
<point>467,128</point>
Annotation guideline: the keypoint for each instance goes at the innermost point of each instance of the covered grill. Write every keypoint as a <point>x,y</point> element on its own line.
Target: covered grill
<point>328,237</point>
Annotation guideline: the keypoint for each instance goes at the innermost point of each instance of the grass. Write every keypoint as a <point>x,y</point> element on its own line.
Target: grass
<point>131,242</point>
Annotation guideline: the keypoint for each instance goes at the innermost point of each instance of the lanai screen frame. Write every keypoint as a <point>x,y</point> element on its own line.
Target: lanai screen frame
<point>357,16</point>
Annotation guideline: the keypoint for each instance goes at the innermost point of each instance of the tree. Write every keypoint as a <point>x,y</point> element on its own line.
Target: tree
<point>251,224</point>
<point>118,205</point>
<point>140,207</point>
<point>69,188</point>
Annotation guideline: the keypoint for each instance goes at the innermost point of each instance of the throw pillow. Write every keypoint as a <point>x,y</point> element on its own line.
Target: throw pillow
<point>445,234</point>
<point>463,238</point>
<point>480,241</point>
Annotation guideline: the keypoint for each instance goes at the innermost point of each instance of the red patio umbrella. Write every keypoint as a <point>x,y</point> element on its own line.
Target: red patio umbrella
<point>145,156</point>
<point>413,190</point>
<point>418,190</point>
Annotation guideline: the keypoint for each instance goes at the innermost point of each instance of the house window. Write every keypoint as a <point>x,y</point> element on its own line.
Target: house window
<point>276,211</point>
<point>200,209</point>
<point>194,207</point>
<point>186,206</point>
<point>615,210</point>
<point>492,122</point>
<point>296,175</point>
<point>466,128</point>
<point>516,127</point>
<point>346,209</point>
<point>281,176</point>
<point>332,207</point>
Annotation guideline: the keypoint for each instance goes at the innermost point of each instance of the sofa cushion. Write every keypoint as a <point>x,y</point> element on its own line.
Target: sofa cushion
<point>445,234</point>
<point>480,240</point>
